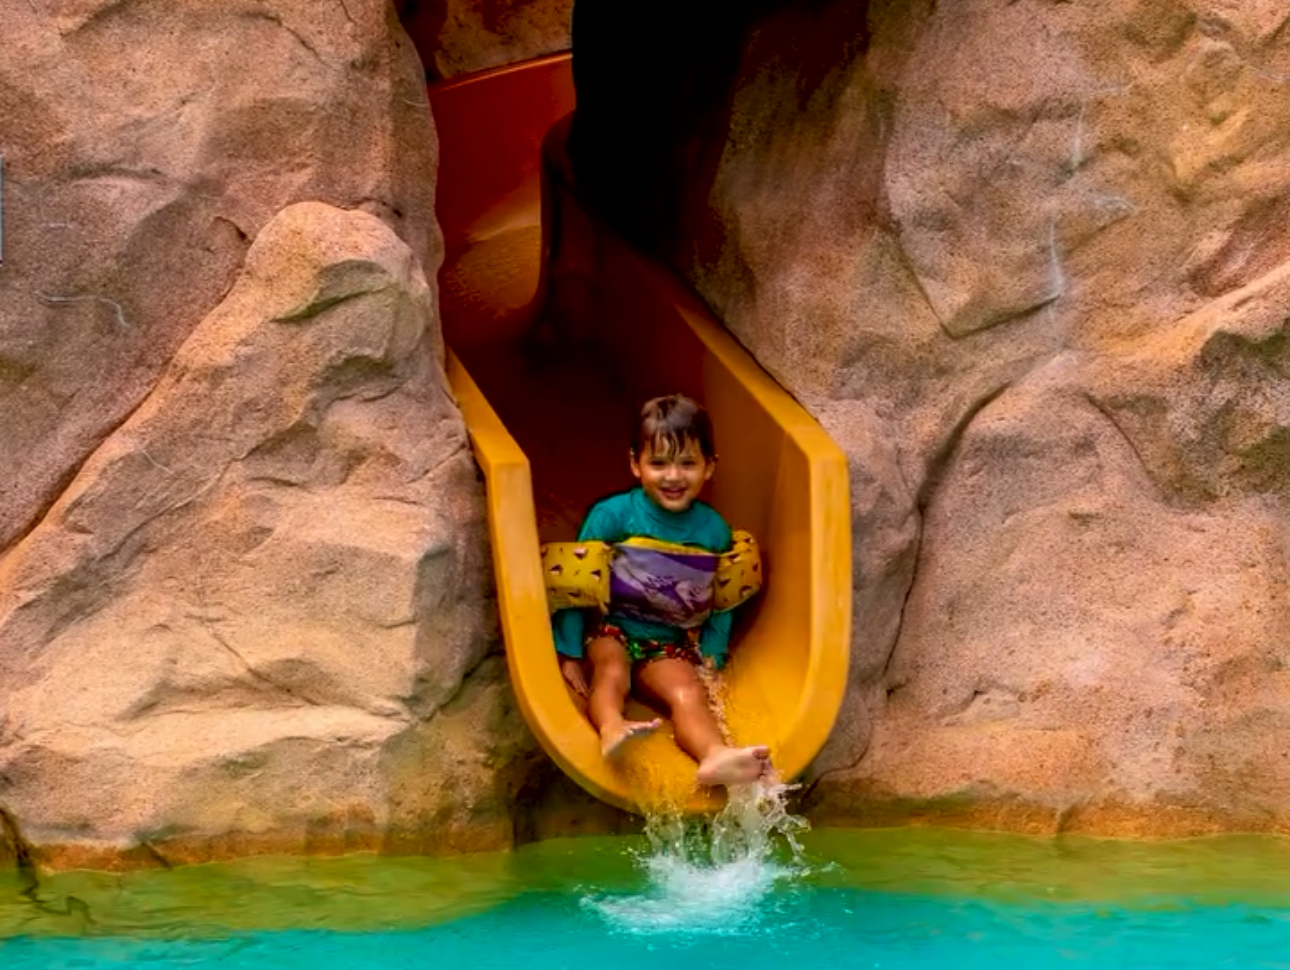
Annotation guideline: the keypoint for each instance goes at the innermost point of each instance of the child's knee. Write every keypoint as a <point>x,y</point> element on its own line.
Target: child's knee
<point>612,672</point>
<point>688,697</point>
<point>603,651</point>
<point>609,660</point>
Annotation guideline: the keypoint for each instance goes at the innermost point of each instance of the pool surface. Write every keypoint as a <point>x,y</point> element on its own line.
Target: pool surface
<point>907,898</point>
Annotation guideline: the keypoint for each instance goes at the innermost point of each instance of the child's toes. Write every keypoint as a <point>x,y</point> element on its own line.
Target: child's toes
<point>733,766</point>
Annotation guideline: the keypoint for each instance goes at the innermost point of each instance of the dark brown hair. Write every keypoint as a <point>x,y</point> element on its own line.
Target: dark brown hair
<point>668,423</point>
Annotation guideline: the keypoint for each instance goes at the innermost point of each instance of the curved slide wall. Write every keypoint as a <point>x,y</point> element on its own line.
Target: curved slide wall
<point>557,331</point>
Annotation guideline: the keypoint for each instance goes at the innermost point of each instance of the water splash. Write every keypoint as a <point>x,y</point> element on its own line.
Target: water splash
<point>712,876</point>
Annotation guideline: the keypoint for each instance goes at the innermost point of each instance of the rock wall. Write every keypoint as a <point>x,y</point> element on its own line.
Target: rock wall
<point>1028,263</point>
<point>145,145</point>
<point>243,564</point>
<point>263,581</point>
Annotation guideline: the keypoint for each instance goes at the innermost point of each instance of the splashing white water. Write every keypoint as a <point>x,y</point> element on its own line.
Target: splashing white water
<point>712,876</point>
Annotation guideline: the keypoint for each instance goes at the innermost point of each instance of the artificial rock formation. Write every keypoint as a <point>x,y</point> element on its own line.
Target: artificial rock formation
<point>1027,263</point>
<point>243,570</point>
<point>460,36</point>
<point>243,622</point>
<point>145,145</point>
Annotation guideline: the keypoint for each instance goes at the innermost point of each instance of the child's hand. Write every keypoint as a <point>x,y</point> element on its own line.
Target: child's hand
<point>571,669</point>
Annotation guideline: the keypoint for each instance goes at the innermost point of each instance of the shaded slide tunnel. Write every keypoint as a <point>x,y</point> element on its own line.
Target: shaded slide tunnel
<point>557,331</point>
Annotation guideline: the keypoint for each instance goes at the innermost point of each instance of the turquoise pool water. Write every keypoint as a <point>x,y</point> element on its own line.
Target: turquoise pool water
<point>914,898</point>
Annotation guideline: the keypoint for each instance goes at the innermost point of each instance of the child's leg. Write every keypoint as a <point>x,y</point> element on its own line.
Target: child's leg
<point>676,683</point>
<point>611,678</point>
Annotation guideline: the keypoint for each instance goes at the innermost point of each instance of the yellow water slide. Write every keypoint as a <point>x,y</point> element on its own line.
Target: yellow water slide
<point>557,331</point>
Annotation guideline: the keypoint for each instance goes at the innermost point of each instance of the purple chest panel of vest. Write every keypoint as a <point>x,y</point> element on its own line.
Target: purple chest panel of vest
<point>672,588</point>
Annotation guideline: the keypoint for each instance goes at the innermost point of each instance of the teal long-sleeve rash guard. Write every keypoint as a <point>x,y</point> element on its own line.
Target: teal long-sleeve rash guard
<point>631,514</point>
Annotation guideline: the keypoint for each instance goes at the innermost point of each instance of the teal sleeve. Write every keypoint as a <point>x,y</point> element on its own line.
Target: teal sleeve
<point>569,627</point>
<point>714,637</point>
<point>604,523</point>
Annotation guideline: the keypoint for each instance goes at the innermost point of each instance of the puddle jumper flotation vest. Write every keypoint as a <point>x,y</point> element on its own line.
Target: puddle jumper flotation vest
<point>651,580</point>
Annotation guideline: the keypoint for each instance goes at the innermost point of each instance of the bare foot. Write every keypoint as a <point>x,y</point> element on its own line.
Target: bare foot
<point>734,766</point>
<point>613,739</point>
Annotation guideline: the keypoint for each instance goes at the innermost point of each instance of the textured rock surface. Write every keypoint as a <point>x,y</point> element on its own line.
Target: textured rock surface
<point>243,571</point>
<point>1026,262</point>
<point>243,623</point>
<point>460,36</point>
<point>144,145</point>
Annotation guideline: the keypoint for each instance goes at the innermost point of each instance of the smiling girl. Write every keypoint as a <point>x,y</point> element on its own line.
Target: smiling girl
<point>672,457</point>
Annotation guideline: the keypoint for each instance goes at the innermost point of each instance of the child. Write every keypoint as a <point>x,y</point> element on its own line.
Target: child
<point>672,456</point>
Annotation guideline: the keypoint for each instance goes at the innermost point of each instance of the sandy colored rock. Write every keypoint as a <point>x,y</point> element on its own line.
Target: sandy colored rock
<point>461,36</point>
<point>265,585</point>
<point>1025,262</point>
<point>1073,639</point>
<point>144,146</point>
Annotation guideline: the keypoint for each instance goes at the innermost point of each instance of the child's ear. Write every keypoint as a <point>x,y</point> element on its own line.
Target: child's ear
<point>711,468</point>
<point>636,465</point>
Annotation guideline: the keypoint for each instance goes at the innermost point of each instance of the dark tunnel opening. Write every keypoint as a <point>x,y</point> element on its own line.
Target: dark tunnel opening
<point>656,84</point>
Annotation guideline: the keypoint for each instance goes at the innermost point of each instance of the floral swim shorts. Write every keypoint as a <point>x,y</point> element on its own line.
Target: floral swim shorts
<point>641,650</point>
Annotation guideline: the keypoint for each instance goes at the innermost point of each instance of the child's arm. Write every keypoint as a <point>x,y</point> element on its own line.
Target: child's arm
<point>569,629</point>
<point>714,637</point>
<point>604,523</point>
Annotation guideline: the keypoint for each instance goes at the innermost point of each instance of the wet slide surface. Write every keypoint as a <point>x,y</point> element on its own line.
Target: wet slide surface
<point>570,414</point>
<point>563,402</point>
<point>557,331</point>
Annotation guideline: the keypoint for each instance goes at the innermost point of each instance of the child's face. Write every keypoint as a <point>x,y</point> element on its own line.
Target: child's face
<point>673,481</point>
